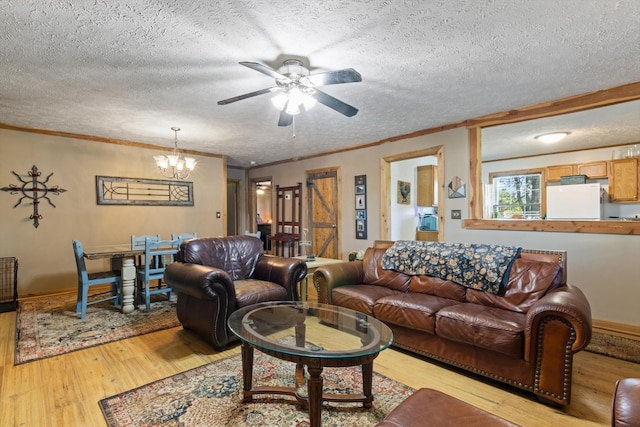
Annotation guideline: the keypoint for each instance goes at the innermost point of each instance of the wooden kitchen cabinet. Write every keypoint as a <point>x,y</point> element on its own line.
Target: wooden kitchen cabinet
<point>623,180</point>
<point>553,173</point>
<point>593,170</point>
<point>426,236</point>
<point>427,184</point>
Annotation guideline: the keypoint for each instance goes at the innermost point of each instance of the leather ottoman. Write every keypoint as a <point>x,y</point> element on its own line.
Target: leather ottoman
<point>431,407</point>
<point>626,403</point>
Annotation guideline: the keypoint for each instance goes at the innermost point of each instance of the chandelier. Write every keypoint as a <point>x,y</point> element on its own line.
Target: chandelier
<point>174,165</point>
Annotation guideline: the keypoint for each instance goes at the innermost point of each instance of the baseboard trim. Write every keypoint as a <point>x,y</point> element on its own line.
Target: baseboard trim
<point>619,329</point>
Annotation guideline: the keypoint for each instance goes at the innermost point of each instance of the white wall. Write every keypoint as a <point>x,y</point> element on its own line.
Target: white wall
<point>45,254</point>
<point>605,266</point>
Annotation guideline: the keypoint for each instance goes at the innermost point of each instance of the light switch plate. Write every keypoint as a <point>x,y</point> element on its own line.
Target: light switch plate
<point>456,214</point>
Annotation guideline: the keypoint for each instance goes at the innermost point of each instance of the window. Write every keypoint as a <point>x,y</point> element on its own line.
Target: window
<point>517,194</point>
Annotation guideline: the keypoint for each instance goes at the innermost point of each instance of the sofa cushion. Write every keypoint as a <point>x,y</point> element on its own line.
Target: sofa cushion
<point>374,274</point>
<point>360,297</point>
<point>528,282</point>
<point>437,286</point>
<point>411,310</point>
<point>486,327</point>
<point>252,291</point>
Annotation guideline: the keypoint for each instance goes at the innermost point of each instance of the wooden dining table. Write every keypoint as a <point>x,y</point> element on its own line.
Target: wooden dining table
<point>122,258</point>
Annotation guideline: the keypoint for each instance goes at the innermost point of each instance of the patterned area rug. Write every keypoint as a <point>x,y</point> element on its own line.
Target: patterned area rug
<point>49,326</point>
<point>615,346</point>
<point>211,395</point>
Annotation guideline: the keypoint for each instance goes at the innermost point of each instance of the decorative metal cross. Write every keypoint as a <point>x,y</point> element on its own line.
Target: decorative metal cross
<point>34,190</point>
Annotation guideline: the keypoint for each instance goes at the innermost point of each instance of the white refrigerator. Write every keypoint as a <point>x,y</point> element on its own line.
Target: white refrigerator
<point>579,201</point>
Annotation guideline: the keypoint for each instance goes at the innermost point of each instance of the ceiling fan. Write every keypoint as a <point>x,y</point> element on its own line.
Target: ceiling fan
<point>298,89</point>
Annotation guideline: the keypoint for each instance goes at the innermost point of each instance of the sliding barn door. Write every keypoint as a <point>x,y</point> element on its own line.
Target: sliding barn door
<point>324,213</point>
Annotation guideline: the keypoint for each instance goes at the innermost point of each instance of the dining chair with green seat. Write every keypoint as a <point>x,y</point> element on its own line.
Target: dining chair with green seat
<point>158,255</point>
<point>86,280</point>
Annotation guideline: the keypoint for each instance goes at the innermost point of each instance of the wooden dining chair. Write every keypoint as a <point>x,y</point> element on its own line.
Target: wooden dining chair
<point>137,242</point>
<point>183,236</point>
<point>158,255</point>
<point>86,280</point>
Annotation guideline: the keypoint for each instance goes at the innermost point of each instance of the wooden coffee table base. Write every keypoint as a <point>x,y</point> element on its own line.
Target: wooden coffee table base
<point>315,395</point>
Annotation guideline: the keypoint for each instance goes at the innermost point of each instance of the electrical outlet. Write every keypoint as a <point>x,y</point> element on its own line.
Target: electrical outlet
<point>456,214</point>
<point>218,215</point>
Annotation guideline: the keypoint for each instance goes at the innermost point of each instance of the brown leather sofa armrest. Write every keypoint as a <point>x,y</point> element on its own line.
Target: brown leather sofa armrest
<point>327,277</point>
<point>286,272</point>
<point>625,408</point>
<point>200,281</point>
<point>567,303</point>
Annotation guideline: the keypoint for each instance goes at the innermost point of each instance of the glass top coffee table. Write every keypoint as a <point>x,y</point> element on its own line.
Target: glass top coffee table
<point>311,335</point>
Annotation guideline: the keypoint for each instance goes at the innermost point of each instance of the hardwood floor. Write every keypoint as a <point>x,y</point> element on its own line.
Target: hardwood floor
<point>65,390</point>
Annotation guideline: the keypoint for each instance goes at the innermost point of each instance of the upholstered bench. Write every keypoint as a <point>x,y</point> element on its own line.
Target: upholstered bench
<point>431,407</point>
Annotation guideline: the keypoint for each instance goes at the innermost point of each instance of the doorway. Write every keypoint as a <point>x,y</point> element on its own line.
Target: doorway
<point>323,207</point>
<point>388,192</point>
<point>260,209</point>
<point>233,207</point>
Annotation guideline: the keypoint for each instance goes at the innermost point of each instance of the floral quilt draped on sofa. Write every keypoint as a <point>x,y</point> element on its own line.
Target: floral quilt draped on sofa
<point>478,266</point>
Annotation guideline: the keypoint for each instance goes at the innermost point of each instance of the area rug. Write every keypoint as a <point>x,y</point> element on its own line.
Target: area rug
<point>615,346</point>
<point>49,326</point>
<point>211,395</point>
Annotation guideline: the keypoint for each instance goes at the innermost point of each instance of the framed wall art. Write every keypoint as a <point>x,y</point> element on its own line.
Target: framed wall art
<point>113,190</point>
<point>361,206</point>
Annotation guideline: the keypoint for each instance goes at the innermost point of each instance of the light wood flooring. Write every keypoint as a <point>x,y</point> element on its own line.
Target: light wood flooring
<point>65,390</point>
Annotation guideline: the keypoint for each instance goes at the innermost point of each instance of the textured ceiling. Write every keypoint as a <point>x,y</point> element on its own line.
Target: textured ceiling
<point>132,69</point>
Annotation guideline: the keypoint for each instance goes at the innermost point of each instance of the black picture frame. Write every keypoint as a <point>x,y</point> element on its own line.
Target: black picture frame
<point>360,193</point>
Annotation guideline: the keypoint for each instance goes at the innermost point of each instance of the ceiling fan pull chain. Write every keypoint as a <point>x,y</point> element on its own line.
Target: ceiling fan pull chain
<point>293,128</point>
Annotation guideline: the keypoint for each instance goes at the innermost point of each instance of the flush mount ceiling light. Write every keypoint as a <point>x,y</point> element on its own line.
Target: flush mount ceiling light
<point>175,165</point>
<point>552,137</point>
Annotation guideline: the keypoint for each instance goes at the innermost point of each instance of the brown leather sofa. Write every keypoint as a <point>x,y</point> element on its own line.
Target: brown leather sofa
<point>213,277</point>
<point>525,336</point>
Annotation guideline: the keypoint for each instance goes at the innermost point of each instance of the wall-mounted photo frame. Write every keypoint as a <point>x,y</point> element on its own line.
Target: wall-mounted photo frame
<point>404,193</point>
<point>360,192</point>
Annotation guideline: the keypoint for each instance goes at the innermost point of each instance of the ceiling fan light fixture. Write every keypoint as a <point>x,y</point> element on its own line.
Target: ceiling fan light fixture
<point>280,100</point>
<point>550,138</point>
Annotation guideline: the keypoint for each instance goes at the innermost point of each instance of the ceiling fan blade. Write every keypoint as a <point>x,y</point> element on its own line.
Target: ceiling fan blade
<point>285,118</point>
<point>348,75</point>
<point>264,69</point>
<point>247,95</point>
<point>334,103</point>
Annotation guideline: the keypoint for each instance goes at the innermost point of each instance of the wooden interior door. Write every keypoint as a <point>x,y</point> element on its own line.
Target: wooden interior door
<point>324,213</point>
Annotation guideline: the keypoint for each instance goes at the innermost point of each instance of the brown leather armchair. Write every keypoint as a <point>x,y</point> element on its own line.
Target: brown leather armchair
<point>213,277</point>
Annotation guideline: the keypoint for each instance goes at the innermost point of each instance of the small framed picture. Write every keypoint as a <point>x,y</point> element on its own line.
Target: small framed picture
<point>361,179</point>
<point>361,202</point>
<point>404,192</point>
<point>359,225</point>
<point>360,189</point>
<point>361,214</point>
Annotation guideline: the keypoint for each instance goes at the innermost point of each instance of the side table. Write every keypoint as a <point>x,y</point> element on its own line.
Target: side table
<point>312,264</point>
